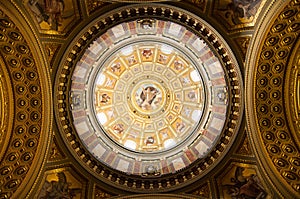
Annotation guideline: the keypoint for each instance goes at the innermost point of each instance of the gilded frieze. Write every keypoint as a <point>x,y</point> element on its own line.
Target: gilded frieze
<point>51,50</point>
<point>243,43</point>
<point>55,152</point>
<point>93,5</point>
<point>245,147</point>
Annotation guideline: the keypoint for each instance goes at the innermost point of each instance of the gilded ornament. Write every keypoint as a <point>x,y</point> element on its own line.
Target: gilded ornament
<point>203,191</point>
<point>273,124</point>
<point>20,156</point>
<point>245,148</point>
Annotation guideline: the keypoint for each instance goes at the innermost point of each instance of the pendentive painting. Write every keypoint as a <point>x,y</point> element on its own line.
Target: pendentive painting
<point>238,13</point>
<point>54,16</point>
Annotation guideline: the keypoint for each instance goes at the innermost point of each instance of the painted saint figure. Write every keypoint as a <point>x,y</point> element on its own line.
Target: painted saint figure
<point>147,96</point>
<point>50,11</point>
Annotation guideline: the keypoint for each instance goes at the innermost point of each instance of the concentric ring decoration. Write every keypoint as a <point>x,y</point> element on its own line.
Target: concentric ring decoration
<point>148,97</point>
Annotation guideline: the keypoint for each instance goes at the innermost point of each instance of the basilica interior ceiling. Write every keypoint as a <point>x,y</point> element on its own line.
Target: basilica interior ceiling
<point>149,99</point>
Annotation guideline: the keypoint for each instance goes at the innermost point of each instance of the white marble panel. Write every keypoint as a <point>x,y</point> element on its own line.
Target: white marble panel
<point>178,164</point>
<point>202,148</point>
<point>118,31</point>
<point>82,127</point>
<point>123,165</point>
<point>99,150</point>
<point>217,123</point>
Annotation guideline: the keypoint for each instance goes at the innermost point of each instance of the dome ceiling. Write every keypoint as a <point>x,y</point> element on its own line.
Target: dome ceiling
<point>155,94</point>
<point>151,97</point>
<point>147,99</point>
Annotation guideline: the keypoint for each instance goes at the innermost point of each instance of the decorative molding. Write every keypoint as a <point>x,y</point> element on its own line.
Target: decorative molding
<point>55,152</point>
<point>100,193</point>
<point>244,148</point>
<point>160,196</point>
<point>243,43</point>
<point>203,191</point>
<point>200,4</point>
<point>6,106</point>
<point>292,92</point>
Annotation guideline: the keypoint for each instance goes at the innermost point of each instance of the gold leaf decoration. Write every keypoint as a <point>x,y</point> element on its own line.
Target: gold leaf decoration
<point>100,194</point>
<point>243,43</point>
<point>203,191</point>
<point>244,148</point>
<point>55,153</point>
<point>93,5</point>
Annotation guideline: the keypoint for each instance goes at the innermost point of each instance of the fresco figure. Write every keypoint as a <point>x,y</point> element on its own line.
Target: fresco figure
<point>245,187</point>
<point>241,11</point>
<point>147,96</point>
<point>57,189</point>
<point>49,11</point>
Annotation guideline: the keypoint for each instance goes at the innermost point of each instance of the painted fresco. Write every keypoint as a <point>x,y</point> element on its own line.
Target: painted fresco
<point>242,182</point>
<point>53,15</point>
<point>238,13</point>
<point>60,183</point>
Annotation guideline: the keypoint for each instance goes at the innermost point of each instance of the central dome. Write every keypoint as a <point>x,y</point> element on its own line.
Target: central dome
<point>149,96</point>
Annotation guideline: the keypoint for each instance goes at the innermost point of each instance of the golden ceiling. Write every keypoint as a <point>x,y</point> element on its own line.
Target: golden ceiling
<point>145,99</point>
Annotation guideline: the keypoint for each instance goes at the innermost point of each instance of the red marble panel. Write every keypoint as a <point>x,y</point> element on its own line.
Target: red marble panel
<point>164,166</point>
<point>132,27</point>
<point>186,36</point>
<point>209,135</point>
<point>219,109</point>
<point>110,158</point>
<point>161,26</point>
<point>220,81</point>
<point>189,154</point>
